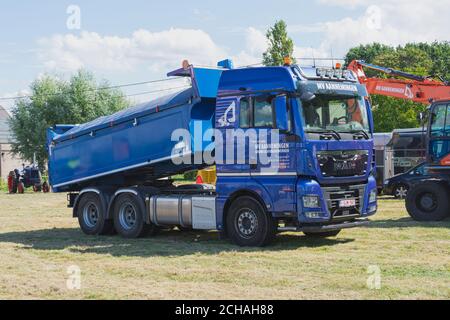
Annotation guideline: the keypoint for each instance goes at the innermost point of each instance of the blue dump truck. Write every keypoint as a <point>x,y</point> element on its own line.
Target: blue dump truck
<point>293,148</point>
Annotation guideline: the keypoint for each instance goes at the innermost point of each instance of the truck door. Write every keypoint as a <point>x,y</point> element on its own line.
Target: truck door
<point>439,136</point>
<point>273,166</point>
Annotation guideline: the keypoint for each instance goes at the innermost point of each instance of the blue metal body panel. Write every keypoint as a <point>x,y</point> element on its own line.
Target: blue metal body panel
<point>136,140</point>
<point>127,115</point>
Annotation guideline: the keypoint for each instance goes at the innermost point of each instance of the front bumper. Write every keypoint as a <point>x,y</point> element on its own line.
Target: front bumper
<point>329,210</point>
<point>327,227</point>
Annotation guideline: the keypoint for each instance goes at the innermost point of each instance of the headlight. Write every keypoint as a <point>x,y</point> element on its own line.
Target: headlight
<point>311,202</point>
<point>373,196</point>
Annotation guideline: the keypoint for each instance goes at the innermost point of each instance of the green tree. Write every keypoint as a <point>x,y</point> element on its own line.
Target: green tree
<point>439,52</point>
<point>367,52</point>
<point>390,113</point>
<point>54,101</point>
<point>280,45</point>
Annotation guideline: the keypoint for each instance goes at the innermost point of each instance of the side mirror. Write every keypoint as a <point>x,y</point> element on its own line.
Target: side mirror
<point>281,112</point>
<point>307,96</point>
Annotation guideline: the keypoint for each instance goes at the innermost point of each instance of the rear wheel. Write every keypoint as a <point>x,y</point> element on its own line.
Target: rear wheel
<point>129,216</point>
<point>12,182</point>
<point>92,216</point>
<point>45,187</point>
<point>428,202</point>
<point>248,224</point>
<point>400,191</point>
<point>326,234</point>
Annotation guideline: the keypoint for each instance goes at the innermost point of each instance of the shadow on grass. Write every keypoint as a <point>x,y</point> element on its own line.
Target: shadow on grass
<point>166,243</point>
<point>407,222</point>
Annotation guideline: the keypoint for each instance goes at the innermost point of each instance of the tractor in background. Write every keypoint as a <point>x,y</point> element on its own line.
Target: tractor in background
<point>28,176</point>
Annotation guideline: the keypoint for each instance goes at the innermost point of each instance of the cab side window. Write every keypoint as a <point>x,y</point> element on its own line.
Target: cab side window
<point>256,112</point>
<point>263,112</point>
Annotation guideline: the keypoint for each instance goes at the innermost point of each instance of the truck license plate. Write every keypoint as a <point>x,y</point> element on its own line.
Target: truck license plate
<point>347,203</point>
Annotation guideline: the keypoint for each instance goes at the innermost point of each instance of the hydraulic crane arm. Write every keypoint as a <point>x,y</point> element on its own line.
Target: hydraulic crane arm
<point>415,88</point>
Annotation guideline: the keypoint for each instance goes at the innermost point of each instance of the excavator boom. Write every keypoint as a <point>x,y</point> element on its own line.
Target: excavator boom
<point>412,87</point>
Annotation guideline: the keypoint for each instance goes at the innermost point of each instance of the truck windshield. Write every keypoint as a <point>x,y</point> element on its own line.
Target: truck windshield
<point>335,113</point>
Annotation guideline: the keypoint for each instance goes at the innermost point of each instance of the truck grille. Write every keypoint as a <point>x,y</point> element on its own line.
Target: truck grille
<point>346,163</point>
<point>333,196</point>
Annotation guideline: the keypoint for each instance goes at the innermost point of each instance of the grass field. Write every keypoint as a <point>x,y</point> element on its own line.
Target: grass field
<point>39,242</point>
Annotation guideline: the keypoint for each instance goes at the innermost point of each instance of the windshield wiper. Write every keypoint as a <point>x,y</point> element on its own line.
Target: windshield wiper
<point>331,132</point>
<point>358,131</point>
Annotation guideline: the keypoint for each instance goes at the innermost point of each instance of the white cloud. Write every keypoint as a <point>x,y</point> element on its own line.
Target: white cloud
<point>255,45</point>
<point>256,41</point>
<point>392,23</point>
<point>387,22</point>
<point>155,50</point>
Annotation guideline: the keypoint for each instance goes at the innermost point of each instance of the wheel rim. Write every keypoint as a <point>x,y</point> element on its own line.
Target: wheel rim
<point>90,214</point>
<point>401,192</point>
<point>247,223</point>
<point>127,215</point>
<point>427,202</point>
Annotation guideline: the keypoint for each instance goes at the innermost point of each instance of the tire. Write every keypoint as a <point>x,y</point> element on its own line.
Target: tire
<point>12,183</point>
<point>400,191</point>
<point>20,188</point>
<point>129,216</point>
<point>45,187</point>
<point>248,224</point>
<point>428,202</point>
<point>37,188</point>
<point>14,187</point>
<point>92,216</point>
<point>326,234</point>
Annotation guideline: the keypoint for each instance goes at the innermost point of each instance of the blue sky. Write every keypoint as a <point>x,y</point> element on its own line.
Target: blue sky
<point>132,41</point>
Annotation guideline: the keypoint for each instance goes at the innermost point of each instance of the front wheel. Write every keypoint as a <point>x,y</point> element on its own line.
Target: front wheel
<point>428,202</point>
<point>248,224</point>
<point>325,234</point>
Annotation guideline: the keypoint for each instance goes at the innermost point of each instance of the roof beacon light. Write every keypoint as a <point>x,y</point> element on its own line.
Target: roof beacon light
<point>287,61</point>
<point>338,65</point>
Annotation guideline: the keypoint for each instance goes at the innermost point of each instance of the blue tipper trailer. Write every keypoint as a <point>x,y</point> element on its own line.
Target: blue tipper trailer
<point>314,124</point>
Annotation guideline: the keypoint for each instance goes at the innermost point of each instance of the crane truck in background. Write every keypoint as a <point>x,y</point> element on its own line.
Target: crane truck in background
<point>428,198</point>
<point>293,148</point>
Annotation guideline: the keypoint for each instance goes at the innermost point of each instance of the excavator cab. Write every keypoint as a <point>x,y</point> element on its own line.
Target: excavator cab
<point>439,135</point>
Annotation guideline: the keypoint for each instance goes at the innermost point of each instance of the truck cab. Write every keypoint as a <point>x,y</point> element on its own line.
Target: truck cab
<point>319,123</point>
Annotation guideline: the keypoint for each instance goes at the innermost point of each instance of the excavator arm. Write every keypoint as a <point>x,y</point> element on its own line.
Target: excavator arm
<point>412,87</point>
